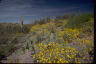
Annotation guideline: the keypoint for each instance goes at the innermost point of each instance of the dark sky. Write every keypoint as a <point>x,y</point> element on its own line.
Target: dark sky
<point>10,10</point>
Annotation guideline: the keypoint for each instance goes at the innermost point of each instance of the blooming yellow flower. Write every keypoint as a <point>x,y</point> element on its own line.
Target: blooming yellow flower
<point>84,58</point>
<point>37,60</point>
<point>68,56</point>
<point>60,59</point>
<point>45,45</point>
<point>52,42</point>
<point>91,58</point>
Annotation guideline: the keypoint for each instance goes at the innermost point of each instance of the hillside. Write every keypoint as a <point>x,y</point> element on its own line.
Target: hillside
<point>60,40</point>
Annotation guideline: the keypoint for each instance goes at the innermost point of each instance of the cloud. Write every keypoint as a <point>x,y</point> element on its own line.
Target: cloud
<point>15,8</point>
<point>70,8</point>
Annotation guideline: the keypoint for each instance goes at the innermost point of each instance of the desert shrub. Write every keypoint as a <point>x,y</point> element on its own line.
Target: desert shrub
<point>44,27</point>
<point>6,50</point>
<point>68,15</point>
<point>25,29</point>
<point>9,47</point>
<point>42,21</point>
<point>1,30</point>
<point>2,50</point>
<point>78,21</point>
<point>35,28</point>
<point>14,40</point>
<point>81,34</point>
<point>68,34</point>
<point>1,27</point>
<point>19,34</point>
<point>36,22</point>
<point>89,27</point>
<point>65,16</point>
<point>85,47</point>
<point>48,19</point>
<point>59,17</point>
<point>58,23</point>
<point>61,23</point>
<point>43,36</point>
<point>17,29</point>
<point>3,39</point>
<point>49,27</point>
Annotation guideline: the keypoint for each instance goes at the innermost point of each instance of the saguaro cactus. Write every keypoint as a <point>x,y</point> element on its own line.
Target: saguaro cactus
<point>21,21</point>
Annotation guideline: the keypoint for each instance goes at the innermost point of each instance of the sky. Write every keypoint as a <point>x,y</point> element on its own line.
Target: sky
<point>11,10</point>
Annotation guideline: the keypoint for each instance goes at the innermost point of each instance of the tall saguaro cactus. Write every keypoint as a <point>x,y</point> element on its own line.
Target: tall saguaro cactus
<point>49,14</point>
<point>21,20</point>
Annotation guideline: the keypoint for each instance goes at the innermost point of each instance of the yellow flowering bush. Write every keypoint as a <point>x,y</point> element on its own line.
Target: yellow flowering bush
<point>35,28</point>
<point>61,23</point>
<point>68,34</point>
<point>19,34</point>
<point>48,27</point>
<point>91,19</point>
<point>43,28</point>
<point>86,49</point>
<point>54,53</point>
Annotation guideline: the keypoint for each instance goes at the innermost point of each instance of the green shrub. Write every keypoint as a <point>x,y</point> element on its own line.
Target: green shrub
<point>78,21</point>
<point>25,29</point>
<point>2,48</point>
<point>89,27</point>
<point>10,48</point>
